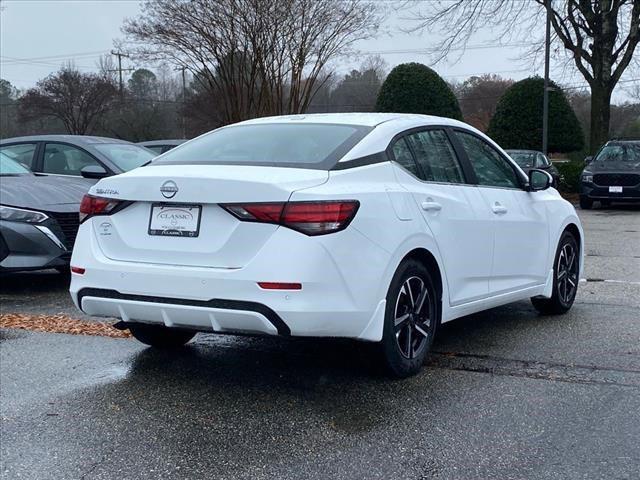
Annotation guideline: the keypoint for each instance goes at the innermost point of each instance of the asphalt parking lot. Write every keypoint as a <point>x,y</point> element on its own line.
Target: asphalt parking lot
<point>507,393</point>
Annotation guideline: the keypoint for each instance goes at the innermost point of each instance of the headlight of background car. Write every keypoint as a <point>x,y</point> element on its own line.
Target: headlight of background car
<point>13,214</point>
<point>587,177</point>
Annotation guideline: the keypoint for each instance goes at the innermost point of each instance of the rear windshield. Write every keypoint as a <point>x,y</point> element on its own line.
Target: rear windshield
<point>11,167</point>
<point>125,156</point>
<point>302,145</point>
<point>524,159</point>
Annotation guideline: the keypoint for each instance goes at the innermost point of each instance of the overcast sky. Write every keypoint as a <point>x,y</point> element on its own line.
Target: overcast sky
<point>37,36</point>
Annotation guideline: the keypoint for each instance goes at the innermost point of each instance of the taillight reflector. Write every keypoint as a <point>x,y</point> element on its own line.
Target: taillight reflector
<point>280,286</point>
<point>310,218</point>
<point>78,270</point>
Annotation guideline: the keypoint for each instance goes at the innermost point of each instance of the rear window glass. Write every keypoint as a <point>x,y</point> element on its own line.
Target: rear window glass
<point>126,157</point>
<point>316,146</point>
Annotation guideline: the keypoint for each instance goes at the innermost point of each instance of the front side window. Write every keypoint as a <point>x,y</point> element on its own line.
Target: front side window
<point>125,156</point>
<point>22,153</point>
<point>300,145</point>
<point>60,159</point>
<point>402,154</point>
<point>436,157</point>
<point>490,168</point>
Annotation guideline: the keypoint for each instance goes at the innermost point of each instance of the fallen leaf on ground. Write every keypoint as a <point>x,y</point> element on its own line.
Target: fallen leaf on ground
<point>60,324</point>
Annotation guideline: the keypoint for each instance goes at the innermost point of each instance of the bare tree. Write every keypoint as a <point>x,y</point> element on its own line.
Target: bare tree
<point>77,99</point>
<point>601,37</point>
<point>257,57</point>
<point>478,98</point>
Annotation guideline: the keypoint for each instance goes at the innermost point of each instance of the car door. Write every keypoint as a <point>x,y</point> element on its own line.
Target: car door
<point>430,169</point>
<point>519,218</point>
<point>65,159</point>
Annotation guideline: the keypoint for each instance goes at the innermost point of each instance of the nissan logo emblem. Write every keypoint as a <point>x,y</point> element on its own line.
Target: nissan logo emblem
<point>169,189</point>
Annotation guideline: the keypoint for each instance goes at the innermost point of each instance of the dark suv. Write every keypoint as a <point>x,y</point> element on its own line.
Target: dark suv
<point>612,175</point>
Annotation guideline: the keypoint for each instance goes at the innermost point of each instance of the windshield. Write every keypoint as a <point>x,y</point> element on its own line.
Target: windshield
<point>126,157</point>
<point>625,152</point>
<point>524,159</point>
<point>11,167</point>
<point>302,145</point>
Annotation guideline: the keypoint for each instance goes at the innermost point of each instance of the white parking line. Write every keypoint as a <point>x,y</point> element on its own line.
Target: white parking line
<point>600,280</point>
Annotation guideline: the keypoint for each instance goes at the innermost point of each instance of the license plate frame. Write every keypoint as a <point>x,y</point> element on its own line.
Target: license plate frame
<point>615,189</point>
<point>186,230</point>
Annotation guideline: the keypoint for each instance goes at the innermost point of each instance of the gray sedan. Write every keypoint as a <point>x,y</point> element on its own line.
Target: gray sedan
<point>75,155</point>
<point>38,217</point>
<point>528,159</point>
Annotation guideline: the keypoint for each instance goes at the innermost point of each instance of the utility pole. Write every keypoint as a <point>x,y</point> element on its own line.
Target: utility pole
<point>184,101</point>
<point>545,105</point>
<point>119,54</point>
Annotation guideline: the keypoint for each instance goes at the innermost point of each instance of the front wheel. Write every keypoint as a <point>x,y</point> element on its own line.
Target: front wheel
<point>586,203</point>
<point>160,336</point>
<point>411,317</point>
<point>566,269</point>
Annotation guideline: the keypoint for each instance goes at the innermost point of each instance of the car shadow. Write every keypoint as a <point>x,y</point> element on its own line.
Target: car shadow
<point>34,282</point>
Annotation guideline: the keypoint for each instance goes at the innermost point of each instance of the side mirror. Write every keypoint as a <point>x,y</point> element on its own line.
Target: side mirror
<point>539,180</point>
<point>94,171</point>
<point>588,160</point>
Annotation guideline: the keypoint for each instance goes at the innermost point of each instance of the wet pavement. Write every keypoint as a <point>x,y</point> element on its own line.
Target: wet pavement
<point>506,394</point>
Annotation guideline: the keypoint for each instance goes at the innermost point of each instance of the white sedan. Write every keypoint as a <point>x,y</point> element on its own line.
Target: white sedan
<point>376,227</point>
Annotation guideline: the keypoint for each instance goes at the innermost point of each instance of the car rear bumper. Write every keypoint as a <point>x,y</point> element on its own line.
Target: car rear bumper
<point>333,301</point>
<point>24,246</point>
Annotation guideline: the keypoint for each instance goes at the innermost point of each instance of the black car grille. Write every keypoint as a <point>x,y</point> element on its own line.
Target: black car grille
<point>616,179</point>
<point>69,224</point>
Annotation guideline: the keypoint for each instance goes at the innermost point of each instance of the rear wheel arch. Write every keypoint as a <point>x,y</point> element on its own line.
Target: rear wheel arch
<point>426,258</point>
<point>575,231</point>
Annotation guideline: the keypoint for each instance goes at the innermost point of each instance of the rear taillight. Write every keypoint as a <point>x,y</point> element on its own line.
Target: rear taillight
<point>310,218</point>
<point>91,206</point>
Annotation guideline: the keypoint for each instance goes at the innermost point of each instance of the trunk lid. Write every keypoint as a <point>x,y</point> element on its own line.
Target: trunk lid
<point>222,241</point>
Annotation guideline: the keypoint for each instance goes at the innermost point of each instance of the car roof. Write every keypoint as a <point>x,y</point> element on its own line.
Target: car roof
<point>73,139</point>
<point>622,142</point>
<point>151,143</point>
<point>513,150</point>
<point>367,119</point>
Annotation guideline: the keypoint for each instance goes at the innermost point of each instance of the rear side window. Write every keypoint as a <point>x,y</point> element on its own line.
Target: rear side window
<point>22,153</point>
<point>302,145</point>
<point>436,157</point>
<point>404,157</point>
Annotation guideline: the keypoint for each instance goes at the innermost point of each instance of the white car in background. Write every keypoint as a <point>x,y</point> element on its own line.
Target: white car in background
<point>375,227</point>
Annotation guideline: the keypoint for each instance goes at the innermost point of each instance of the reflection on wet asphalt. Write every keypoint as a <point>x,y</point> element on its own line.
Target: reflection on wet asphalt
<point>506,394</point>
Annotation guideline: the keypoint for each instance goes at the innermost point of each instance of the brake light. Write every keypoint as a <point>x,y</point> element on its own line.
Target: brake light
<point>310,218</point>
<point>91,206</point>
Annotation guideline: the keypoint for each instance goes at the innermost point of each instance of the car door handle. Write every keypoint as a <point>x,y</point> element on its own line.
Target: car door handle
<point>430,206</point>
<point>499,209</point>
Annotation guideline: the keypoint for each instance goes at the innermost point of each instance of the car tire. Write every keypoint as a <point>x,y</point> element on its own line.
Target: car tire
<point>160,336</point>
<point>586,203</point>
<point>566,268</point>
<point>411,318</point>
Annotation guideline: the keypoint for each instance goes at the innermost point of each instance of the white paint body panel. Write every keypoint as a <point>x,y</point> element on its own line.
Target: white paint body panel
<point>484,261</point>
